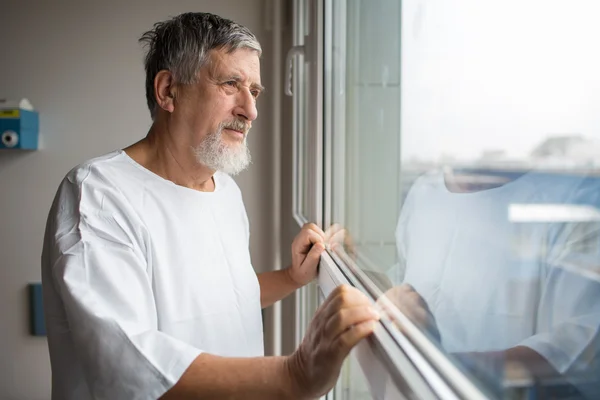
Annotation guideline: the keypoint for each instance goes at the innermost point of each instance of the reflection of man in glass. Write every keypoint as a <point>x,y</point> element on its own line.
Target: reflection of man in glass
<point>507,268</point>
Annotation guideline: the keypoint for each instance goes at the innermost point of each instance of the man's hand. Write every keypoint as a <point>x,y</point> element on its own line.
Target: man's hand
<point>306,253</point>
<point>410,303</point>
<point>344,319</point>
<point>338,238</point>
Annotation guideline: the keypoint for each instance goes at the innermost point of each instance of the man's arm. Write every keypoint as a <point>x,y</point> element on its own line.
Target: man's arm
<point>345,318</point>
<point>217,377</point>
<point>533,362</point>
<point>519,358</point>
<point>306,253</point>
<point>275,285</point>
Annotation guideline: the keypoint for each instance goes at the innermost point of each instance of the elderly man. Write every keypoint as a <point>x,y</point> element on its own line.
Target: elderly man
<point>148,286</point>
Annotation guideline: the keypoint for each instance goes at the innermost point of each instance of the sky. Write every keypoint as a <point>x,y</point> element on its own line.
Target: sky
<point>481,75</point>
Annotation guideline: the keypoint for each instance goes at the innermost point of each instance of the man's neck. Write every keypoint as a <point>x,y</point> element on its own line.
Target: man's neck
<point>162,155</point>
<point>458,181</point>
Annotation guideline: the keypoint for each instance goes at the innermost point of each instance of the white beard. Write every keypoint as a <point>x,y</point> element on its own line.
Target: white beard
<point>217,155</point>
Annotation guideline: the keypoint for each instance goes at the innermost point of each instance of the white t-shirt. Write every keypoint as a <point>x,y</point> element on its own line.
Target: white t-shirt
<point>494,281</point>
<point>140,276</point>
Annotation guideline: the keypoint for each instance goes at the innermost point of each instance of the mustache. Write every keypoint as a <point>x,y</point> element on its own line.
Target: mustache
<point>237,125</point>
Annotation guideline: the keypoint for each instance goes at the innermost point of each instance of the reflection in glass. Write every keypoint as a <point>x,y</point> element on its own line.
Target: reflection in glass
<point>467,180</point>
<point>509,272</point>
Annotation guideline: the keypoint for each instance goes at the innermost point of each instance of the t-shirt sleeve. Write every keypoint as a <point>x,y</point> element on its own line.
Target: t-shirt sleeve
<point>568,318</point>
<point>101,272</point>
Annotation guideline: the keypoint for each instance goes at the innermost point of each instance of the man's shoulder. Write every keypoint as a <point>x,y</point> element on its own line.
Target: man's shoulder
<point>563,187</point>
<point>107,163</point>
<point>423,183</point>
<point>99,182</point>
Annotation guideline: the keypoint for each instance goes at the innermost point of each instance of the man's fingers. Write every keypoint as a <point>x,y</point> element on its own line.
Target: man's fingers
<point>314,255</point>
<point>347,318</point>
<point>344,296</point>
<point>307,239</point>
<point>338,237</point>
<point>332,231</point>
<point>333,302</point>
<point>312,227</point>
<point>314,237</point>
<point>350,338</point>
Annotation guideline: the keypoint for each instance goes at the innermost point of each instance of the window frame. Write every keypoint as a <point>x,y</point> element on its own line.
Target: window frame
<point>411,365</point>
<point>305,58</point>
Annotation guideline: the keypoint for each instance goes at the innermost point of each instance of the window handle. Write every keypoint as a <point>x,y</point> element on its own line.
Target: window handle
<point>289,62</point>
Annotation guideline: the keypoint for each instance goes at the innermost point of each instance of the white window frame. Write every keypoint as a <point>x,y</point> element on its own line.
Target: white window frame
<point>304,56</point>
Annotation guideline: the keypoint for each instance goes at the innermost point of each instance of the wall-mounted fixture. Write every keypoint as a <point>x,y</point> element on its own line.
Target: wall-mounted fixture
<point>19,126</point>
<point>37,324</point>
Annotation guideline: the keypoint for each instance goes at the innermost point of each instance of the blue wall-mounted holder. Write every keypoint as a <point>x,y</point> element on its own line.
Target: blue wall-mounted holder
<point>19,129</point>
<point>37,323</point>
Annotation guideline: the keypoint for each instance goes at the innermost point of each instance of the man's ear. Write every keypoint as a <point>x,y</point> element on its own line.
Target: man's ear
<point>164,90</point>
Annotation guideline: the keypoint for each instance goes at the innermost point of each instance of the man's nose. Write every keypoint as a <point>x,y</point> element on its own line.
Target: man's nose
<point>246,107</point>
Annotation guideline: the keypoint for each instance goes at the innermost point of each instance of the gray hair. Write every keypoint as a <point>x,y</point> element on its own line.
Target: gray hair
<point>182,44</point>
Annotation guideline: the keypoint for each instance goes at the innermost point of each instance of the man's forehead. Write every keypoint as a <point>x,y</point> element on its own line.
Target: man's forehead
<point>241,63</point>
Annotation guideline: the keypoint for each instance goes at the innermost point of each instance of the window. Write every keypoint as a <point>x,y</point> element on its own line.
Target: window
<point>304,85</point>
<point>457,145</point>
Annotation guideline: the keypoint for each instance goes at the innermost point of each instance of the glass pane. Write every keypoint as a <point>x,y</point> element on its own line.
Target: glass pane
<point>466,176</point>
<point>352,384</point>
<point>366,97</point>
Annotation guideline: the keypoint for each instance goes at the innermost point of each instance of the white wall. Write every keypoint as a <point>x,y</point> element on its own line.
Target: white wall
<point>81,66</point>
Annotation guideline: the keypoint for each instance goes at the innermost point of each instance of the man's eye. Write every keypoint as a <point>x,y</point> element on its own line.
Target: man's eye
<point>231,83</point>
<point>255,93</point>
